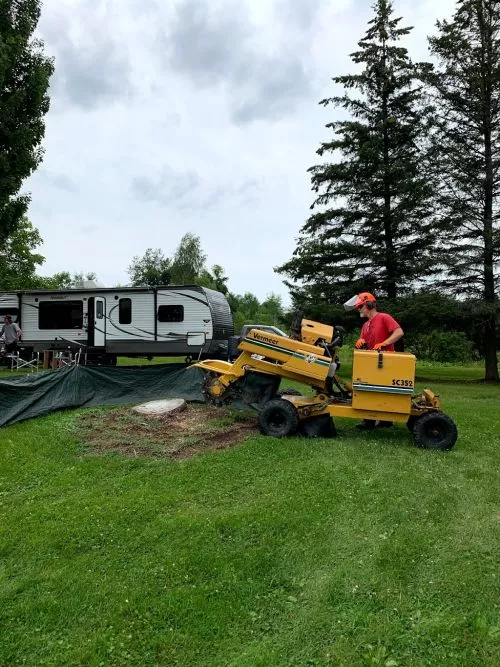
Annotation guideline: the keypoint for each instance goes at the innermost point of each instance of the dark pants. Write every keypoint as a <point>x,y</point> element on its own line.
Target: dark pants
<point>10,348</point>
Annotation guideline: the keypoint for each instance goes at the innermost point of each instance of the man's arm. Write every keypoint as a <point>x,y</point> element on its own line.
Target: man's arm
<point>395,336</point>
<point>19,333</point>
<point>390,340</point>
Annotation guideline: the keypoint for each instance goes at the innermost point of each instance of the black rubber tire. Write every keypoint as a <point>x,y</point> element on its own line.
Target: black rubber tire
<point>410,424</point>
<point>435,430</point>
<point>278,418</point>
<point>288,392</point>
<point>103,360</point>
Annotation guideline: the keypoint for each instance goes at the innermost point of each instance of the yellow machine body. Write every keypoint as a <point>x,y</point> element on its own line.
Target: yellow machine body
<point>276,355</point>
<point>382,382</point>
<point>296,358</point>
<point>313,331</point>
<point>382,386</point>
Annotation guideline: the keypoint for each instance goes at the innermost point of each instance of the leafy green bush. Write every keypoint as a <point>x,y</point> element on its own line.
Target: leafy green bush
<point>449,346</point>
<point>345,352</point>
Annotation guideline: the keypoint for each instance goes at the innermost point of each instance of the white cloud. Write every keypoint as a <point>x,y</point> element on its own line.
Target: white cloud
<point>194,116</point>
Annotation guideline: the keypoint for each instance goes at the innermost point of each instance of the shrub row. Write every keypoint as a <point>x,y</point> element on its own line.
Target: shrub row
<point>446,346</point>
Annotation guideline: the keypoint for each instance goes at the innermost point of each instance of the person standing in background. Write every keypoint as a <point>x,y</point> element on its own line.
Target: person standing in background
<point>11,334</point>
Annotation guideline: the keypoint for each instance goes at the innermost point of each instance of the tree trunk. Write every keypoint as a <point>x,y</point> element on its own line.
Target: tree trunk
<point>390,260</point>
<point>490,352</point>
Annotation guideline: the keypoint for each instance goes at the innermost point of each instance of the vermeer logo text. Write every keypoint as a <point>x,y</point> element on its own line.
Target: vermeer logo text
<point>264,339</point>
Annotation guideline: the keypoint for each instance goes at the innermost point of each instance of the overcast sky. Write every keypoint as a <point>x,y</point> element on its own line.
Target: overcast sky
<point>201,116</point>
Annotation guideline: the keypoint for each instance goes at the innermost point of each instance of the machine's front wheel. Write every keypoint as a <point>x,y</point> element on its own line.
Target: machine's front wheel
<point>278,418</point>
<point>435,430</point>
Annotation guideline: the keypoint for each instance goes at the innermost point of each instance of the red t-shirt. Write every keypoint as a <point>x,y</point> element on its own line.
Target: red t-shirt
<point>378,329</point>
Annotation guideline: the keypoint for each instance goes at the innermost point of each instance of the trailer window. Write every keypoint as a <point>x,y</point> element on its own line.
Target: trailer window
<point>60,315</point>
<point>125,311</point>
<point>170,313</point>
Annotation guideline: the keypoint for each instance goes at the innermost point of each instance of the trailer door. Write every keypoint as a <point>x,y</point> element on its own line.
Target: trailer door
<point>97,322</point>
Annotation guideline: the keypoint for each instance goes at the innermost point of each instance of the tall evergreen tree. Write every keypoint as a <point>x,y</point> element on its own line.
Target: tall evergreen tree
<point>374,228</point>
<point>24,80</point>
<point>467,84</point>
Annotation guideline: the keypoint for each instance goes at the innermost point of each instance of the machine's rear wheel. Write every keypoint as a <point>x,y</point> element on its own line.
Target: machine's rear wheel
<point>278,418</point>
<point>411,422</point>
<point>435,430</point>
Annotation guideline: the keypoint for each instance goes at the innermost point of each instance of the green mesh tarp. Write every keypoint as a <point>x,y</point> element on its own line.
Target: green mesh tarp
<point>37,394</point>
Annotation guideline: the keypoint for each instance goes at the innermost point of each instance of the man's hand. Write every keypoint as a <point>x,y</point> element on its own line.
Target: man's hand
<point>378,346</point>
<point>359,343</point>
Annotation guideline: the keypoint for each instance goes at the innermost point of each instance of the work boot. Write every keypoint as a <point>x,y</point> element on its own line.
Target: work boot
<point>382,424</point>
<point>366,425</point>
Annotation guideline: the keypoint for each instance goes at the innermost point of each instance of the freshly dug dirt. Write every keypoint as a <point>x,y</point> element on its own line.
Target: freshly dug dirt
<point>198,428</point>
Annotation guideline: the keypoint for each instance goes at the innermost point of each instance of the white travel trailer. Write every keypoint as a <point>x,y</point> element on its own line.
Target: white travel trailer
<point>176,320</point>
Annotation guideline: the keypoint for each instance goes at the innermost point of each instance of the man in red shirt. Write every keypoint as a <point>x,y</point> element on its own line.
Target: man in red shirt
<point>379,332</point>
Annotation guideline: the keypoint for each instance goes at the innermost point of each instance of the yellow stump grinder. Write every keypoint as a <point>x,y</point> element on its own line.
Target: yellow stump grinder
<point>382,386</point>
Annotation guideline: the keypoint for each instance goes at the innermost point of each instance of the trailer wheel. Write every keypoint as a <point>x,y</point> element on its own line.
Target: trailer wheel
<point>435,430</point>
<point>102,360</point>
<point>278,418</point>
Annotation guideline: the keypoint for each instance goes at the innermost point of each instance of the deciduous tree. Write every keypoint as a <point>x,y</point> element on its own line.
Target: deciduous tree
<point>214,279</point>
<point>152,269</point>
<point>24,80</point>
<point>19,259</point>
<point>188,260</point>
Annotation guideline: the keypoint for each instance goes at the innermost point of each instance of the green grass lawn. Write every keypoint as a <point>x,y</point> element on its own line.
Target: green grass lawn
<point>360,550</point>
<point>449,373</point>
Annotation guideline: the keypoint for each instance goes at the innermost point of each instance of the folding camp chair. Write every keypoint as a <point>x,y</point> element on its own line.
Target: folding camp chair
<point>67,358</point>
<point>17,362</point>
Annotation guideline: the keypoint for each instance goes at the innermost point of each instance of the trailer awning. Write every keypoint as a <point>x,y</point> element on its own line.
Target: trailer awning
<point>38,394</point>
